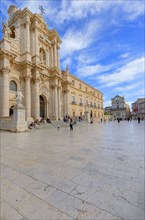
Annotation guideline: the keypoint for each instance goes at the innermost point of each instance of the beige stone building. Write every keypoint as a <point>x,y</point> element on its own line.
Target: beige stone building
<point>30,62</point>
<point>138,108</point>
<point>119,108</point>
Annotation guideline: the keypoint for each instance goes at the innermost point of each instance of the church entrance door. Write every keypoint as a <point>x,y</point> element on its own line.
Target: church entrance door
<point>42,107</point>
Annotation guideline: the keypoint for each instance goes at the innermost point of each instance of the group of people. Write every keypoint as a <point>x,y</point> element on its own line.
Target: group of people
<point>37,122</point>
<point>66,118</point>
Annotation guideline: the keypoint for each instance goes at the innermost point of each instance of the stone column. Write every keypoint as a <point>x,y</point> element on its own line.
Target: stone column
<point>59,102</point>
<point>66,100</point>
<point>55,102</point>
<point>28,94</point>
<point>64,103</point>
<point>55,55</point>
<point>47,113</point>
<point>51,56</point>
<point>36,98</point>
<point>58,57</point>
<point>5,92</point>
<point>28,34</point>
<point>47,57</point>
<point>36,42</point>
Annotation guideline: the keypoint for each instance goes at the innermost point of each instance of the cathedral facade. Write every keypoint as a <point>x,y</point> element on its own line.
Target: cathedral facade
<point>30,63</point>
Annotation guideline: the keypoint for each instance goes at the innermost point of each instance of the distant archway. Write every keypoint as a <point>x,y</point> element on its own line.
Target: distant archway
<point>42,107</point>
<point>91,114</point>
<point>11,110</point>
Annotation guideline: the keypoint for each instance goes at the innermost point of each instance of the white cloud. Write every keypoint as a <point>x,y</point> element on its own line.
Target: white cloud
<point>89,70</point>
<point>66,62</point>
<point>107,103</point>
<point>129,87</point>
<point>140,93</point>
<point>124,55</point>
<point>82,9</point>
<point>134,9</point>
<point>127,73</point>
<point>78,39</point>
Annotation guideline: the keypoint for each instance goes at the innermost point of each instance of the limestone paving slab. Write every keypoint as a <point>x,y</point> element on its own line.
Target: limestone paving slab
<point>66,203</point>
<point>34,208</point>
<point>91,212</point>
<point>96,171</point>
<point>7,212</point>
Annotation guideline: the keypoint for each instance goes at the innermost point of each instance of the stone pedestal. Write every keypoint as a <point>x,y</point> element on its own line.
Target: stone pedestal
<point>19,123</point>
<point>87,116</point>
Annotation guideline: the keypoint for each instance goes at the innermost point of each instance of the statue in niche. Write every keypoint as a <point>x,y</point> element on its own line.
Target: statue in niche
<point>6,29</point>
<point>42,55</point>
<point>17,33</point>
<point>19,97</point>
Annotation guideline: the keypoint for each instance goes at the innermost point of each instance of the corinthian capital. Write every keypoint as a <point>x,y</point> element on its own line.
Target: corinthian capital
<point>27,77</point>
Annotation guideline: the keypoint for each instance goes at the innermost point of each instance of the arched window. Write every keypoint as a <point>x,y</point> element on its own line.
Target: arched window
<point>42,54</point>
<point>13,86</point>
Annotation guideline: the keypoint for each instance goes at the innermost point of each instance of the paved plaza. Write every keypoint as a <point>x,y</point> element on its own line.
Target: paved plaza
<point>94,172</point>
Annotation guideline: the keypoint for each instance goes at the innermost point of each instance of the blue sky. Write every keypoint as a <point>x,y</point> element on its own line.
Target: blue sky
<point>102,41</point>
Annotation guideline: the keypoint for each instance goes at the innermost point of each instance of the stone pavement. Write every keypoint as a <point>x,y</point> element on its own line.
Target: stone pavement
<point>94,172</point>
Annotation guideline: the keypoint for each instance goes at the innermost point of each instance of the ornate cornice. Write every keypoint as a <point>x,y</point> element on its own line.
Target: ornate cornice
<point>5,53</point>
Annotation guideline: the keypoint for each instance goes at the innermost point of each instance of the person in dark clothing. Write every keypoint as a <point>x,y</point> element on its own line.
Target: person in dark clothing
<point>71,124</point>
<point>138,119</point>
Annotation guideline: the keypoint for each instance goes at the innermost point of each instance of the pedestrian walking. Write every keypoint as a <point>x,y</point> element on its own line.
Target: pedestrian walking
<point>138,119</point>
<point>71,124</point>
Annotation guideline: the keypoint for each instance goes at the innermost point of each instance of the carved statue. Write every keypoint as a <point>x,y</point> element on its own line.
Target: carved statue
<point>19,97</point>
<point>17,33</point>
<point>6,29</point>
<point>67,69</point>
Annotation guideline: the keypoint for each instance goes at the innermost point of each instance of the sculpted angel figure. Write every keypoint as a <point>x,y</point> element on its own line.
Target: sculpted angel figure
<point>17,33</point>
<point>19,97</point>
<point>6,29</point>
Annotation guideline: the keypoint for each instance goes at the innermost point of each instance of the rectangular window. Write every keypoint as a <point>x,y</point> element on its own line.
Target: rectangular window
<point>80,86</point>
<point>73,82</point>
<point>73,98</point>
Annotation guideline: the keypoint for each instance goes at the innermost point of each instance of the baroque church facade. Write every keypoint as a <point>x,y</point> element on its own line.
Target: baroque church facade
<point>30,63</point>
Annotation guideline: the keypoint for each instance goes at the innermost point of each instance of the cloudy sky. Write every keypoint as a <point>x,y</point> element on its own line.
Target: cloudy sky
<point>102,41</point>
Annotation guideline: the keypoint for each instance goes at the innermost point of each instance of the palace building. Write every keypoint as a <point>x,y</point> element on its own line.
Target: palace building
<point>30,63</point>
